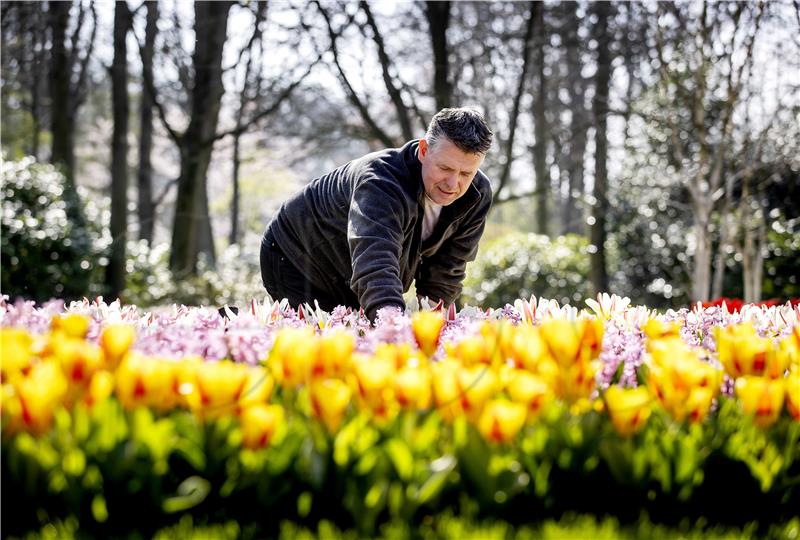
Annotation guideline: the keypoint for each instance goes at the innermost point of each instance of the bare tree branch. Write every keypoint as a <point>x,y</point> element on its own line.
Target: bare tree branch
<point>394,93</point>
<point>352,94</point>
<point>523,76</point>
<point>266,111</point>
<point>73,39</point>
<point>147,79</point>
<point>164,192</point>
<point>80,91</point>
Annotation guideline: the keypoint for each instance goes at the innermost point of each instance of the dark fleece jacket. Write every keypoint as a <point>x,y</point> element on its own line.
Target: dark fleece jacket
<point>356,232</point>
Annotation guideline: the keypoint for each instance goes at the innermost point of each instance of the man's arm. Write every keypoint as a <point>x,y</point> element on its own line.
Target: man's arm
<point>375,236</point>
<point>442,274</point>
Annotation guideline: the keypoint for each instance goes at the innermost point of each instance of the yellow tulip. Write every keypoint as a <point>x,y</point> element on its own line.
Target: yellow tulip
<point>577,381</point>
<point>743,352</point>
<point>72,325</point>
<point>16,355</point>
<point>258,386</point>
<point>261,425</point>
<point>335,352</point>
<point>78,359</point>
<point>220,384</point>
<point>793,393</point>
<point>329,401</point>
<point>698,403</point>
<point>145,381</point>
<point>100,388</point>
<point>572,341</point>
<point>412,386</point>
<point>477,384</point>
<point>446,392</point>
<point>373,380</point>
<point>115,341</point>
<point>529,390</point>
<point>761,398</point>
<point>684,384</point>
<point>528,348</point>
<point>293,354</point>
<point>397,353</point>
<point>11,410</point>
<point>471,350</point>
<point>427,326</point>
<point>501,420</point>
<point>655,329</point>
<point>184,381</point>
<point>40,393</point>
<point>628,408</point>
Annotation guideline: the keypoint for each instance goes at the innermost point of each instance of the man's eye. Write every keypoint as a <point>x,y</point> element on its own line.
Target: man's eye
<point>445,169</point>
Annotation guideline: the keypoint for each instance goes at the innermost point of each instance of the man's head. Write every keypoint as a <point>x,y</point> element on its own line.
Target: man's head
<point>452,152</point>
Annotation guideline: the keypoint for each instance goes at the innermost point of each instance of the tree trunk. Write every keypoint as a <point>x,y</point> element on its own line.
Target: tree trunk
<point>599,273</point>
<point>191,232</point>
<point>62,119</point>
<point>115,277</point>
<point>438,14</point>
<point>574,220</point>
<point>727,226</point>
<point>146,208</point>
<point>38,31</point>
<point>701,273</point>
<point>540,128</point>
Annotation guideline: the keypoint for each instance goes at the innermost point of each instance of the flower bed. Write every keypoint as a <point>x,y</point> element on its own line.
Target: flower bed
<point>521,413</point>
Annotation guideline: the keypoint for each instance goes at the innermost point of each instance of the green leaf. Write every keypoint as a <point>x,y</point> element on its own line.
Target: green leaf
<point>441,470</point>
<point>191,492</point>
<point>376,494</point>
<point>99,509</point>
<point>401,458</point>
<point>304,502</point>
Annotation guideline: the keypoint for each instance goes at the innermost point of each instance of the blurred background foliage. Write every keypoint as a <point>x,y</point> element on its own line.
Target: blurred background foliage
<point>516,264</point>
<point>647,149</point>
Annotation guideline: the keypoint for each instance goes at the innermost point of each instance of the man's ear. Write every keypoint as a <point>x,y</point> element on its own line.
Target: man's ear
<point>423,149</point>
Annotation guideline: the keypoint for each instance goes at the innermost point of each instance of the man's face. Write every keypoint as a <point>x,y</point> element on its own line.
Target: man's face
<point>447,171</point>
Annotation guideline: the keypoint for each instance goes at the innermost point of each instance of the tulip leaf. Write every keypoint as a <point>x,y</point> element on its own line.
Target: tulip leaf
<point>304,502</point>
<point>401,458</point>
<point>442,468</point>
<point>99,509</point>
<point>191,492</point>
<point>366,462</point>
<point>376,494</point>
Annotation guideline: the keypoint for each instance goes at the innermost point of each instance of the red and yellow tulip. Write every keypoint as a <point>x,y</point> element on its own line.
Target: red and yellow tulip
<point>501,420</point>
<point>761,398</point>
<point>628,408</point>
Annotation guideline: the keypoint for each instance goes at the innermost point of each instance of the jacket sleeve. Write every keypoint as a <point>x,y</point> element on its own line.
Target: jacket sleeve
<point>375,236</point>
<point>442,274</point>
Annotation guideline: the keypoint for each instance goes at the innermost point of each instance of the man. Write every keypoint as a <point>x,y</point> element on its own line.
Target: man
<point>359,235</point>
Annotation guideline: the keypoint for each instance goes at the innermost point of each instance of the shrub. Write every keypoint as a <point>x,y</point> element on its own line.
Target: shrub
<point>234,280</point>
<point>45,254</point>
<point>520,264</point>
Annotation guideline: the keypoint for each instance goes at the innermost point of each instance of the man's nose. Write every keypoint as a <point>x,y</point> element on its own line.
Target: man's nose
<point>451,182</point>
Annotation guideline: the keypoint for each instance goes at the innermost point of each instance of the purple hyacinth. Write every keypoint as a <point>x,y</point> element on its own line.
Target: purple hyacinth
<point>623,345</point>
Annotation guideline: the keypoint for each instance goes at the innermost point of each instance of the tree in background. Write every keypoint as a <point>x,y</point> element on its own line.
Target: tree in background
<point>68,72</point>
<point>115,275</point>
<point>602,79</point>
<point>146,205</point>
<point>703,61</point>
<point>24,76</point>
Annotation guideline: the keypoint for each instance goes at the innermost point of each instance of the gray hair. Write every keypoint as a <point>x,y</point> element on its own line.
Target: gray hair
<point>466,128</point>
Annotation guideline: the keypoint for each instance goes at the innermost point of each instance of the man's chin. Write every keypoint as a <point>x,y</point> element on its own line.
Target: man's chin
<point>444,199</point>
